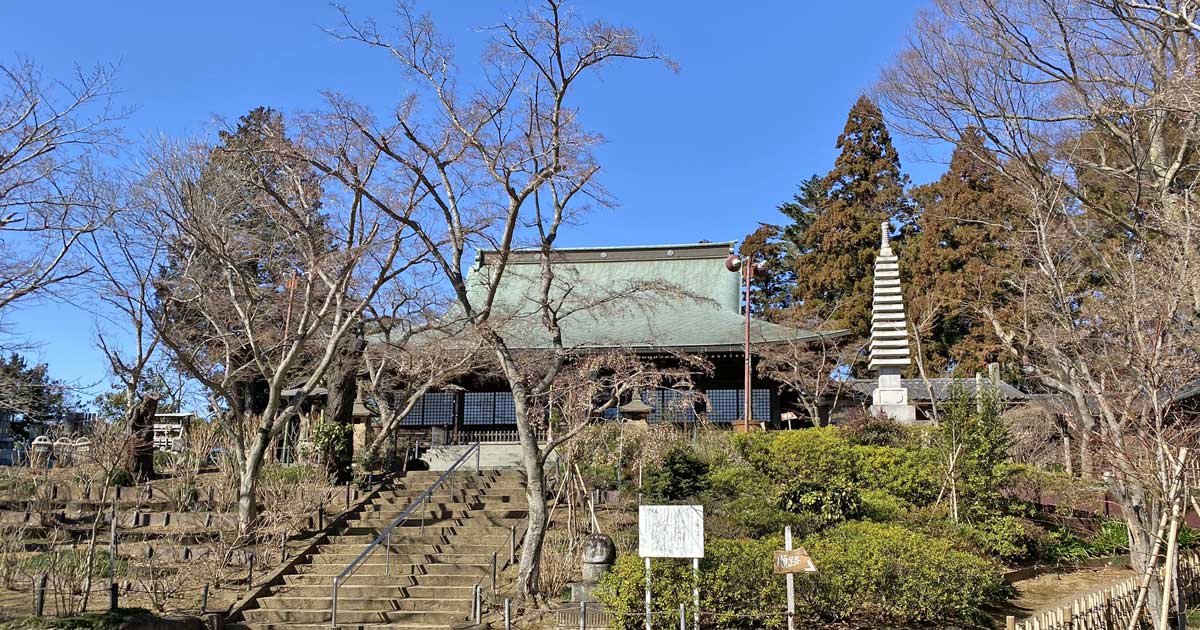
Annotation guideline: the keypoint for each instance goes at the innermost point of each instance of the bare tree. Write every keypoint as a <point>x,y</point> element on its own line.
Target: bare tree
<point>51,135</point>
<point>499,164</point>
<point>400,370</point>
<point>264,281</point>
<point>1088,106</point>
<point>816,370</point>
<point>125,256</point>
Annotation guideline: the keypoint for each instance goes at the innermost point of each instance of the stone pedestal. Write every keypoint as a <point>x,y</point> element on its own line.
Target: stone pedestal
<point>890,398</point>
<point>599,553</point>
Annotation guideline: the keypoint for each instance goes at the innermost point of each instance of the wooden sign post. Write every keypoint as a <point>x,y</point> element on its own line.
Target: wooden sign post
<point>790,562</point>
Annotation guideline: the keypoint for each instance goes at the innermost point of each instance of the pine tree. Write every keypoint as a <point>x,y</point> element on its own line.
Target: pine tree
<point>837,247</point>
<point>955,258</point>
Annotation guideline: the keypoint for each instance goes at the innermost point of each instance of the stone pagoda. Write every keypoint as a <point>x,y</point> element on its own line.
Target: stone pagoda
<point>889,338</point>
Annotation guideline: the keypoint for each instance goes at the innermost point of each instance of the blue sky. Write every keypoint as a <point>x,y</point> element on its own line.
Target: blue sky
<point>707,153</point>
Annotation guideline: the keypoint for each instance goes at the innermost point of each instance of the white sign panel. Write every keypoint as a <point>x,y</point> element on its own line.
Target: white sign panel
<point>671,531</point>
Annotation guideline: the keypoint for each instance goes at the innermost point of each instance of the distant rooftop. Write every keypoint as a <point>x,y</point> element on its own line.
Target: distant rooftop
<point>918,391</point>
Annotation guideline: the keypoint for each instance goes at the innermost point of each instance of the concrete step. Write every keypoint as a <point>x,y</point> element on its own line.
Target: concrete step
<point>384,506</point>
<point>325,582</point>
<point>329,569</point>
<point>403,547</point>
<point>353,618</point>
<point>343,559</point>
<point>438,513</point>
<point>461,591</point>
<point>347,602</point>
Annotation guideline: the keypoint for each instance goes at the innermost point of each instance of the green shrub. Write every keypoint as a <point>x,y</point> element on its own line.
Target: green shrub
<point>868,430</point>
<point>755,448</point>
<point>185,496</point>
<point>1110,540</point>
<point>831,502</point>
<point>890,574</point>
<point>682,475</point>
<point>1188,537</point>
<point>737,480</point>
<point>755,517</point>
<point>1062,546</point>
<point>120,477</point>
<point>1006,538</point>
<point>736,585</point>
<point>814,455</point>
<point>909,474</point>
<point>880,506</point>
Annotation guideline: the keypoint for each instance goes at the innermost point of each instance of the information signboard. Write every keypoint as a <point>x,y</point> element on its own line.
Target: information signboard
<point>671,531</point>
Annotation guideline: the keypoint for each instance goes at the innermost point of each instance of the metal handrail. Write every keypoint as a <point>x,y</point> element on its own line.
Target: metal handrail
<point>513,543</point>
<point>385,537</point>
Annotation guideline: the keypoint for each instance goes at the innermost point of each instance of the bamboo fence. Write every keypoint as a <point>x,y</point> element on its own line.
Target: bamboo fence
<point>1108,608</point>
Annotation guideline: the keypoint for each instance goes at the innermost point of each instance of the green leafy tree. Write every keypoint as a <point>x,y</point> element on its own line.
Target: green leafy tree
<point>972,441</point>
<point>838,236</point>
<point>956,258</point>
<point>28,396</point>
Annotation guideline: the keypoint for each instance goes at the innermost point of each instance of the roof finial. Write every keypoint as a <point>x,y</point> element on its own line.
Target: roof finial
<point>884,244</point>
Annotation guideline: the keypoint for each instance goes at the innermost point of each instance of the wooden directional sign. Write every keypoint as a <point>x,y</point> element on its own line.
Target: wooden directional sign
<point>794,561</point>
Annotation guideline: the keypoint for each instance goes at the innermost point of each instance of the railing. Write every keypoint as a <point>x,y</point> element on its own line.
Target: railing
<point>385,537</point>
<point>1109,608</point>
<point>498,564</point>
<point>491,436</point>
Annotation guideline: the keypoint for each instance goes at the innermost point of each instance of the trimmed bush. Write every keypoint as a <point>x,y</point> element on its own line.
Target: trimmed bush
<point>880,506</point>
<point>737,585</point>
<point>1006,538</point>
<point>816,456</point>
<point>829,503</point>
<point>908,474</point>
<point>890,574</point>
<point>863,429</point>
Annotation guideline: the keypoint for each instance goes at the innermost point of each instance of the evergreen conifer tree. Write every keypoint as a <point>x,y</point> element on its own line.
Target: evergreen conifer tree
<point>837,245</point>
<point>955,257</point>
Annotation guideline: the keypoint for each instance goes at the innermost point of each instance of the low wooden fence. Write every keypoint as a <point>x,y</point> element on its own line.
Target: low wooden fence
<point>491,436</point>
<point>1109,608</point>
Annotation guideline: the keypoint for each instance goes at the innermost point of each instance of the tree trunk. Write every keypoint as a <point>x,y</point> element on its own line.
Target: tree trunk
<point>530,568</point>
<point>248,484</point>
<point>342,380</point>
<point>141,427</point>
<point>1144,537</point>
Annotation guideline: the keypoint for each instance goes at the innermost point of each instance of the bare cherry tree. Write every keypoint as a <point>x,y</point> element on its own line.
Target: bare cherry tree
<point>401,369</point>
<point>266,276</point>
<point>52,134</point>
<point>125,255</point>
<point>496,163</point>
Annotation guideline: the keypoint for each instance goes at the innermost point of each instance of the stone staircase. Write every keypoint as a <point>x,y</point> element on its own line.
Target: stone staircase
<point>429,578</point>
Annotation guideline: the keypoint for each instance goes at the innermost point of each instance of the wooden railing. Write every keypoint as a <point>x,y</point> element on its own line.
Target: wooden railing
<point>490,436</point>
<point>1109,608</point>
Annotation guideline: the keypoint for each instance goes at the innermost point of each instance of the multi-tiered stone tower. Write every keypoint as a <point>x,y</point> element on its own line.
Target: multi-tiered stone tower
<point>889,338</point>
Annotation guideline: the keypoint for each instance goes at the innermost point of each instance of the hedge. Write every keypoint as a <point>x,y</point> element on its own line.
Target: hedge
<point>890,574</point>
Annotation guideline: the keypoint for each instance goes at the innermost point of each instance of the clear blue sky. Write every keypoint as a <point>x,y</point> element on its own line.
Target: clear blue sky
<point>762,94</point>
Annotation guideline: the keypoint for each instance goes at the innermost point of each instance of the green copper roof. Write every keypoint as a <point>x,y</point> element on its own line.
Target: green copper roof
<point>667,296</point>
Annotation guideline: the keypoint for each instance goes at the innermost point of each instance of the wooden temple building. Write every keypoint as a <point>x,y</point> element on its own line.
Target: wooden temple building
<point>656,301</point>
